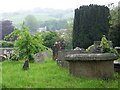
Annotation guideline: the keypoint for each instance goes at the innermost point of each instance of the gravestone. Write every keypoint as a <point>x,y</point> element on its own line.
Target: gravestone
<point>39,58</point>
<point>26,65</point>
<point>47,54</point>
<point>58,46</point>
<point>117,66</point>
<point>62,53</point>
<point>3,57</point>
<point>118,50</point>
<point>91,65</point>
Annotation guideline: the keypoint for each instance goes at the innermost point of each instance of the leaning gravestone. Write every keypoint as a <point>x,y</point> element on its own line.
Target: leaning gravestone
<point>39,58</point>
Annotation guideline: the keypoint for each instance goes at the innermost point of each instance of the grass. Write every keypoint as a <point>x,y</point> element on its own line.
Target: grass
<point>0,75</point>
<point>47,75</point>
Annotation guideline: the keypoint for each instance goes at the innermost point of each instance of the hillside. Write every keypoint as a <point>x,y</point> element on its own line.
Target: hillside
<point>40,14</point>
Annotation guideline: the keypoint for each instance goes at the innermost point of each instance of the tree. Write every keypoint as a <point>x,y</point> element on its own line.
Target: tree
<point>49,38</point>
<point>66,35</point>
<point>114,31</point>
<point>90,23</point>
<point>26,44</point>
<point>114,34</point>
<point>5,28</point>
<point>55,24</point>
<point>31,22</point>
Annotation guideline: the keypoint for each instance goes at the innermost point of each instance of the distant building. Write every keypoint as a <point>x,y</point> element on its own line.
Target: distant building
<point>41,29</point>
<point>6,28</point>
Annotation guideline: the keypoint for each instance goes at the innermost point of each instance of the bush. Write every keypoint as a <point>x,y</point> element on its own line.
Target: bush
<point>14,57</point>
<point>106,45</point>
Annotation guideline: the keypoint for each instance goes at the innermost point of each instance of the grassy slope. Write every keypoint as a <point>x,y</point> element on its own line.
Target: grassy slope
<point>47,75</point>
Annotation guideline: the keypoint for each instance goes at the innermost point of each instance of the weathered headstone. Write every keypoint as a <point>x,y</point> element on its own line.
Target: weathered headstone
<point>91,65</point>
<point>62,53</point>
<point>57,47</point>
<point>118,49</point>
<point>38,58</point>
<point>117,66</point>
<point>47,54</point>
<point>3,57</point>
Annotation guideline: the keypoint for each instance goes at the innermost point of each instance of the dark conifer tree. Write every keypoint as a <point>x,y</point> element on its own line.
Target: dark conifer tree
<point>90,23</point>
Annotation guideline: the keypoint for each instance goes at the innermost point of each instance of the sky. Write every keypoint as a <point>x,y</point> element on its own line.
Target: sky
<point>15,5</point>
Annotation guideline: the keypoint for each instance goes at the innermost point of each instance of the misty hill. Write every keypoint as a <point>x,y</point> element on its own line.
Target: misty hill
<point>41,15</point>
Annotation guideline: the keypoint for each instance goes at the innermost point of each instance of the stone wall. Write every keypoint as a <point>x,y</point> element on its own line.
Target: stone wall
<point>6,51</point>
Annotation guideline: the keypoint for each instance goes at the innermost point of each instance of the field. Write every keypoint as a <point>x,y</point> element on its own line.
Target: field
<point>47,75</point>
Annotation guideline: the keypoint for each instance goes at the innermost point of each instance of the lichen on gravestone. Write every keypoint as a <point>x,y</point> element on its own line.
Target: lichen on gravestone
<point>39,58</point>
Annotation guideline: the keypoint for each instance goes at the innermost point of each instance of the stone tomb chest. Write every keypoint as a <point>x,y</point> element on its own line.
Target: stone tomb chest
<point>98,65</point>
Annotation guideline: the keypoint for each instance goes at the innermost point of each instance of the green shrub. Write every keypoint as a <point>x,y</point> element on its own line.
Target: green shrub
<point>106,45</point>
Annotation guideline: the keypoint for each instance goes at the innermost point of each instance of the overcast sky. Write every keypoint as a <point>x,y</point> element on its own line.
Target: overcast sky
<point>14,5</point>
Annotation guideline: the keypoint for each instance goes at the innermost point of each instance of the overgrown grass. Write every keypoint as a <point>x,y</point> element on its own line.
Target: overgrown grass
<point>47,75</point>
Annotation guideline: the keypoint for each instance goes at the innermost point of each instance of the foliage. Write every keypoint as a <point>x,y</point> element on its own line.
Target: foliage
<point>114,15</point>
<point>68,35</point>
<point>49,38</point>
<point>65,35</point>
<point>48,75</point>
<point>14,57</point>
<point>114,31</point>
<point>7,28</point>
<point>114,34</point>
<point>90,23</point>
<point>106,45</point>
<point>88,49</point>
<point>6,44</point>
<point>26,44</point>
<point>31,22</point>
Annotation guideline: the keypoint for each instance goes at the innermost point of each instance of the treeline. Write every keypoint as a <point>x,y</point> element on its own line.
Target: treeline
<point>53,25</point>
